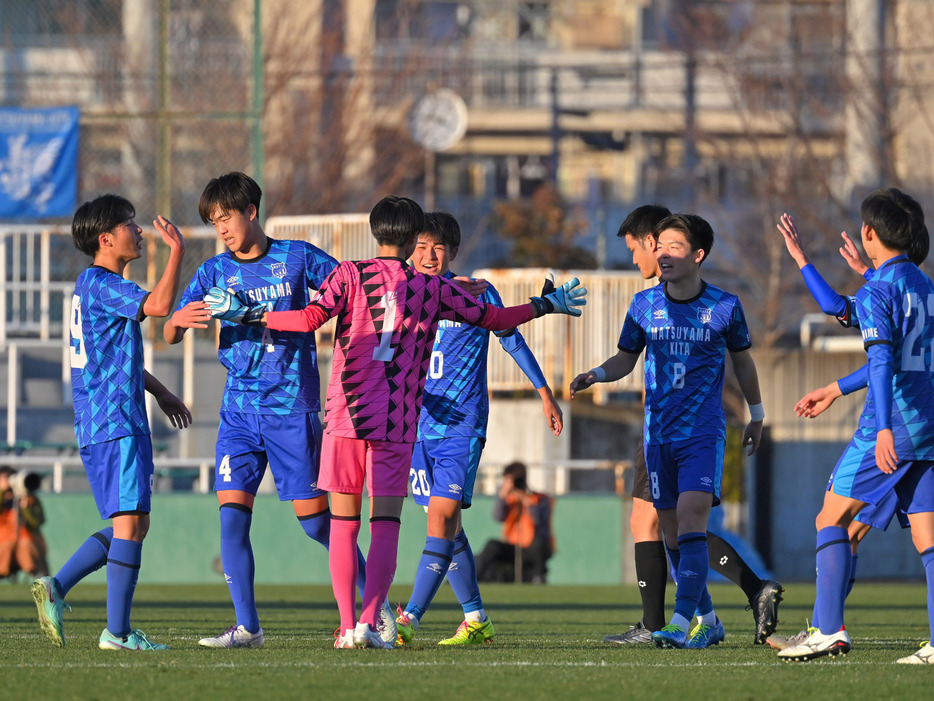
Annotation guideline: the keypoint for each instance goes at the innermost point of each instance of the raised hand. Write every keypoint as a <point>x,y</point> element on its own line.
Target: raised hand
<point>563,300</point>
<point>786,225</point>
<point>169,232</point>
<point>852,256</point>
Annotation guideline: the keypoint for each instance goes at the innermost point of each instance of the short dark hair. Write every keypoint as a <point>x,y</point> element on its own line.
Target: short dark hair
<point>443,227</point>
<point>896,217</point>
<point>696,229</point>
<point>231,192</point>
<point>395,221</point>
<point>519,474</point>
<point>100,215</point>
<point>642,221</point>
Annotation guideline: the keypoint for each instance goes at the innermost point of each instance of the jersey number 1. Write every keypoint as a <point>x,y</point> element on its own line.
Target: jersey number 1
<point>384,351</point>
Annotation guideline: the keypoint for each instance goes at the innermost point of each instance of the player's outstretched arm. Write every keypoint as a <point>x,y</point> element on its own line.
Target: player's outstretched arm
<point>171,406</point>
<point>612,369</point>
<point>194,315</point>
<point>162,298</point>
<point>224,304</point>
<point>745,369</point>
<point>566,299</point>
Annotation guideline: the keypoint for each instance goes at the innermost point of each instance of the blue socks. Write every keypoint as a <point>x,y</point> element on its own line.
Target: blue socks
<point>123,562</point>
<point>927,559</point>
<point>692,575</point>
<point>90,557</point>
<point>239,569</point>
<point>834,563</point>
<point>318,528</point>
<point>462,575</point>
<point>434,564</point>
<point>815,618</point>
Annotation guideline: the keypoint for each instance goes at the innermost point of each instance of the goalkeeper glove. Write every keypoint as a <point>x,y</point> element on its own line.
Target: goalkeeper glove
<point>562,300</point>
<point>223,304</point>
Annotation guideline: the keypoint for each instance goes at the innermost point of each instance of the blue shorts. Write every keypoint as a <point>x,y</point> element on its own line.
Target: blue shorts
<point>290,444</point>
<point>916,489</point>
<point>693,465</point>
<point>856,476</point>
<point>445,467</point>
<point>879,515</point>
<point>120,473</point>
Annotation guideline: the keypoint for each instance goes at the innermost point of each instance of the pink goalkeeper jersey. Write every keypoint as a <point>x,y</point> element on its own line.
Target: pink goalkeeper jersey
<point>387,314</point>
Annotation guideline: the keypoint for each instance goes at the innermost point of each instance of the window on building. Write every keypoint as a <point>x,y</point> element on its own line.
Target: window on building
<point>422,21</point>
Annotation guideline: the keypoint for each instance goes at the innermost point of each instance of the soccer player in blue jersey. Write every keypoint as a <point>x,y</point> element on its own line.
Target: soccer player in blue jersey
<point>893,447</point>
<point>877,515</point>
<point>686,327</point>
<point>108,384</point>
<point>272,397</point>
<point>451,434</point>
<point>764,595</point>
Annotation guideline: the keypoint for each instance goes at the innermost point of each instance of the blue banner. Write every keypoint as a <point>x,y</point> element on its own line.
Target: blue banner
<point>38,162</point>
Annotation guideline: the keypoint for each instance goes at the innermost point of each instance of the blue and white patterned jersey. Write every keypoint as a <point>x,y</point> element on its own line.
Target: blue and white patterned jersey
<point>456,400</point>
<point>686,343</point>
<point>268,371</point>
<point>107,377</point>
<point>896,313</point>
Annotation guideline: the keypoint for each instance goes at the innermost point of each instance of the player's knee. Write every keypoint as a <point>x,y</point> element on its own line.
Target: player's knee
<point>317,526</point>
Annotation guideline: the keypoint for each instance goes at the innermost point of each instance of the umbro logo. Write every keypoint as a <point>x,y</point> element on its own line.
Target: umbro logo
<point>659,314</point>
<point>453,566</point>
<point>688,573</point>
<point>455,488</point>
<point>435,567</point>
<point>227,578</point>
<point>706,480</point>
<point>234,279</point>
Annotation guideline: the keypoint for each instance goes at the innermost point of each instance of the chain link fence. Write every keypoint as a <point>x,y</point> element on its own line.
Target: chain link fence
<point>170,91</point>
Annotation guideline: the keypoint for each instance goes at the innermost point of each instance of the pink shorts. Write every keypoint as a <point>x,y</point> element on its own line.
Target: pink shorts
<point>347,462</point>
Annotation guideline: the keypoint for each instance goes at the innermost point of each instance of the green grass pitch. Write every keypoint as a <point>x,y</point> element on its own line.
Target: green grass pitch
<point>549,646</point>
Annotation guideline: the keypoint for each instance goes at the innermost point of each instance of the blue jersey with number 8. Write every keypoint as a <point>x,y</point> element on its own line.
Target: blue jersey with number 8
<point>685,343</point>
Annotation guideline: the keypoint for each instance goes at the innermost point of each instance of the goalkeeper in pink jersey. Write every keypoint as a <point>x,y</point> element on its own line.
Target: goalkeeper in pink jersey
<point>387,314</point>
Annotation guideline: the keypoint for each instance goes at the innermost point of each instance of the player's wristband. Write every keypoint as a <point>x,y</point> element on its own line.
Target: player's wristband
<point>599,373</point>
<point>756,412</point>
